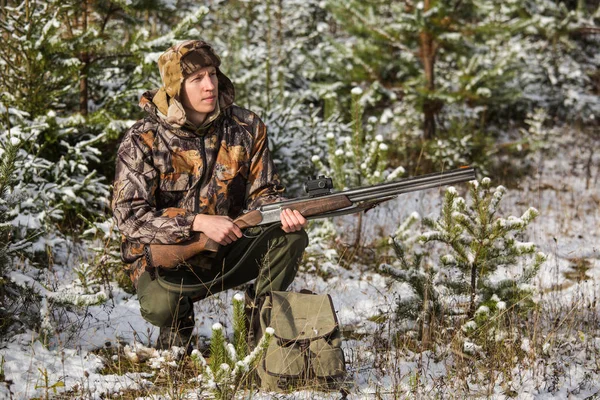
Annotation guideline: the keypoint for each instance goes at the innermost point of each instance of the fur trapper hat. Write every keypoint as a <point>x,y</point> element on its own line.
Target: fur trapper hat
<point>176,64</point>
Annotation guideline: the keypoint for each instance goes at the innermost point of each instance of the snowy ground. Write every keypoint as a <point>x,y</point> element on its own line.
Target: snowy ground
<point>568,230</point>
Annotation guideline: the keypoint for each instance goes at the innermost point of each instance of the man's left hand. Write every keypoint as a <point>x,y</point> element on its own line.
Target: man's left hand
<point>292,220</point>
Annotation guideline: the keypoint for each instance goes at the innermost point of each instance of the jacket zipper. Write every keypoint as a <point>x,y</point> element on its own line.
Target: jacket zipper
<point>201,181</point>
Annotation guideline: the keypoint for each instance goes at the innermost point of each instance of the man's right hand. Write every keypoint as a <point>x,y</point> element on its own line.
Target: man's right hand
<point>218,228</point>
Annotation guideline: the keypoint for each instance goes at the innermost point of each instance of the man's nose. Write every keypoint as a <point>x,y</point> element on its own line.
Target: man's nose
<point>208,83</point>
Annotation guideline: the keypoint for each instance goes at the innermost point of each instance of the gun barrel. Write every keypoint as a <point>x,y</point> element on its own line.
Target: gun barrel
<point>391,189</point>
<point>412,184</point>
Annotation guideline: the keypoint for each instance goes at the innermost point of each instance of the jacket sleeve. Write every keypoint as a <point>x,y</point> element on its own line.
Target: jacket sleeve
<point>134,196</point>
<point>263,182</point>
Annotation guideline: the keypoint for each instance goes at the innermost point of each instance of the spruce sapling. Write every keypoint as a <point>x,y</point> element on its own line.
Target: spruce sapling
<point>218,350</point>
<point>240,332</point>
<point>230,364</point>
<point>481,242</point>
<point>359,158</point>
<point>409,268</point>
<point>8,166</point>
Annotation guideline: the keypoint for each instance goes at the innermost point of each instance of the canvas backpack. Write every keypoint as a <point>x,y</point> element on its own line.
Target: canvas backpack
<point>305,350</point>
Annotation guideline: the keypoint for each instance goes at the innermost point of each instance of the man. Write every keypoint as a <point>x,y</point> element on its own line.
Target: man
<point>194,163</point>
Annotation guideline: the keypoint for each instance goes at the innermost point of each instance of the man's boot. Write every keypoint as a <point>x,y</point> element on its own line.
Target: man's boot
<point>179,334</point>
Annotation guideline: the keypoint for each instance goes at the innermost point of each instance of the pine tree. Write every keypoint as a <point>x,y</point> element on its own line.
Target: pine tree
<point>412,267</point>
<point>480,242</point>
<point>8,165</point>
<point>461,283</point>
<point>358,158</point>
<point>230,364</point>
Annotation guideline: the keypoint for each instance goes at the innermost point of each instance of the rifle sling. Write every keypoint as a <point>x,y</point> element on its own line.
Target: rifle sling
<point>202,289</point>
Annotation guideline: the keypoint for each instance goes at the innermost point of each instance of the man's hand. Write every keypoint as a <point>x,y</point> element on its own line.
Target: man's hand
<point>292,220</point>
<point>218,228</point>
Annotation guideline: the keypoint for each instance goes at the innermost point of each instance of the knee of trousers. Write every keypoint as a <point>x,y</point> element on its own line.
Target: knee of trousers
<point>293,247</point>
<point>162,308</point>
<point>297,241</point>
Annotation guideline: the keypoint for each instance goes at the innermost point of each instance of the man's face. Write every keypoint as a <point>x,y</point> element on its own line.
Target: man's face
<point>200,91</point>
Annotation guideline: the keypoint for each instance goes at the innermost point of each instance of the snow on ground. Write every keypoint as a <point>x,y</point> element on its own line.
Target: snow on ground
<point>568,230</point>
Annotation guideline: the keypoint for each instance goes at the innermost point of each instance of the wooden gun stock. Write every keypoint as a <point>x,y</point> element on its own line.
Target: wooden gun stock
<point>171,255</point>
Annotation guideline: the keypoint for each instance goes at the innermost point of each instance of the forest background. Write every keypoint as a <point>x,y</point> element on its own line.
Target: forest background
<point>364,91</point>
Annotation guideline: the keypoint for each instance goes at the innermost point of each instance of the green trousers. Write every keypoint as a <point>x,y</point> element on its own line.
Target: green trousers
<point>272,258</point>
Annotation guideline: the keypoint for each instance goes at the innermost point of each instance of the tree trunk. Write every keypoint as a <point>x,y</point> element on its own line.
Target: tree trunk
<point>280,43</point>
<point>83,84</point>
<point>473,290</point>
<point>428,52</point>
<point>426,321</point>
<point>268,60</point>
<point>84,57</point>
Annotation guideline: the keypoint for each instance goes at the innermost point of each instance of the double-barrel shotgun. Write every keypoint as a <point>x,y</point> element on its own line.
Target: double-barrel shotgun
<point>320,202</point>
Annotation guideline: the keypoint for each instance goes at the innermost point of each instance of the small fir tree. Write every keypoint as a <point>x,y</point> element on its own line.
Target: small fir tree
<point>360,157</point>
<point>230,364</point>
<point>8,165</point>
<point>357,159</point>
<point>480,242</point>
<point>412,267</point>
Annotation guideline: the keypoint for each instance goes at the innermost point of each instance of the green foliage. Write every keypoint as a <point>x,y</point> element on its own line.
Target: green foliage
<point>469,279</point>
<point>273,53</point>
<point>240,330</point>
<point>480,242</point>
<point>460,144</point>
<point>359,158</point>
<point>31,53</point>
<point>410,267</point>
<point>295,132</point>
<point>219,356</point>
<point>8,153</point>
<point>230,365</point>
<point>450,52</point>
<point>447,78</point>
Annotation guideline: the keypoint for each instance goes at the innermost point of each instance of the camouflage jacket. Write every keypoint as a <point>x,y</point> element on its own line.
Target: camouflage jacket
<point>166,175</point>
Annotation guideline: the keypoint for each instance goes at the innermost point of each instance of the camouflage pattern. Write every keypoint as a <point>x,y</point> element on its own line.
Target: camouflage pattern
<point>166,174</point>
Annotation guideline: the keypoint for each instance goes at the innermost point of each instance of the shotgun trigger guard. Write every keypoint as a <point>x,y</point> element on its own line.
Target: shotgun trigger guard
<point>262,229</point>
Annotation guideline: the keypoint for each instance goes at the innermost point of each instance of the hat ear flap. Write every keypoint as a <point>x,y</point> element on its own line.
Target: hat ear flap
<point>176,113</point>
<point>226,90</point>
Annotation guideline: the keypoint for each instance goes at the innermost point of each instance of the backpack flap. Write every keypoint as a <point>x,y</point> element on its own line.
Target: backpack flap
<point>305,325</point>
<point>328,361</point>
<point>286,362</point>
<point>327,357</point>
<point>299,316</point>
